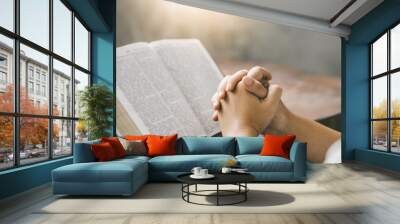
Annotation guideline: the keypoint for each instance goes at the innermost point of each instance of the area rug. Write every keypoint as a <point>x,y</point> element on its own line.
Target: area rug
<point>166,198</point>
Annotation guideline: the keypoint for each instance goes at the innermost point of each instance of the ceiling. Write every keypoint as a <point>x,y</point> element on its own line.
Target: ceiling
<point>333,17</point>
<point>321,9</point>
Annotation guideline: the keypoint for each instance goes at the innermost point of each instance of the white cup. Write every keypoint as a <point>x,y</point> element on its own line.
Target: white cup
<point>226,170</point>
<point>203,172</point>
<point>196,171</point>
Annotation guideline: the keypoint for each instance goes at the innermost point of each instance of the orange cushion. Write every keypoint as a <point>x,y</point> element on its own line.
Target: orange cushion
<point>161,145</point>
<point>103,152</point>
<point>116,145</point>
<point>136,137</point>
<point>276,145</point>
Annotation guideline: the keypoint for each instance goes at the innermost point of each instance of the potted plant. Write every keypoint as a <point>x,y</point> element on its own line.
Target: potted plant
<point>96,103</point>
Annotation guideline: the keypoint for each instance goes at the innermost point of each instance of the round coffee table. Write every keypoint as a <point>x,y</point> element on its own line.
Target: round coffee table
<point>238,179</point>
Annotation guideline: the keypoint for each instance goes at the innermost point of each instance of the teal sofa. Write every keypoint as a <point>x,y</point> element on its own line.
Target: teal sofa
<point>125,176</point>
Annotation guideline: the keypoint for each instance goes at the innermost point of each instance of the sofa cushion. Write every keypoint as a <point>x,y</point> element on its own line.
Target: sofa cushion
<point>185,163</point>
<point>159,145</point>
<point>257,163</point>
<point>103,152</point>
<point>249,145</point>
<point>116,145</point>
<point>206,145</point>
<point>277,145</point>
<point>112,171</point>
<point>134,147</point>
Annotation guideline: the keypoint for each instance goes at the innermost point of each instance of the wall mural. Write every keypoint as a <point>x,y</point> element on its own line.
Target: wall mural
<point>174,61</point>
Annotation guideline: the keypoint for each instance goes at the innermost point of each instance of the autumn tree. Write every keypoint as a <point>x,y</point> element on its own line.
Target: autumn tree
<point>33,131</point>
<point>6,122</point>
<point>380,127</point>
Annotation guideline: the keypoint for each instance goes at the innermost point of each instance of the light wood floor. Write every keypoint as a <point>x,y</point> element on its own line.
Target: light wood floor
<point>351,181</point>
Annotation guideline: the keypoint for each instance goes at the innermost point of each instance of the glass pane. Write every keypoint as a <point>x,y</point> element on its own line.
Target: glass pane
<point>34,97</point>
<point>395,94</point>
<point>379,97</point>
<point>62,138</point>
<point>62,29</point>
<point>62,89</point>
<point>35,21</point>
<point>81,45</point>
<point>7,14</point>
<point>379,135</point>
<point>6,75</point>
<point>33,139</point>
<point>395,136</point>
<point>379,55</point>
<point>395,47</point>
<point>6,142</point>
<point>81,131</point>
<point>81,81</point>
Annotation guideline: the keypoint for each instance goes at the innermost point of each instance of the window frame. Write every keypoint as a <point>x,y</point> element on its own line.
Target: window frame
<point>388,74</point>
<point>15,72</point>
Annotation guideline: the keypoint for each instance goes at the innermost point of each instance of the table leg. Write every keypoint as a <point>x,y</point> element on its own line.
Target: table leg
<point>188,190</point>
<point>217,194</point>
<point>245,193</point>
<point>195,188</point>
<point>182,190</point>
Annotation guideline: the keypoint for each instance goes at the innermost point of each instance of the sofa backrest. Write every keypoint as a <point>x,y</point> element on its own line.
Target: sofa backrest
<point>206,145</point>
<point>249,145</point>
<point>191,146</point>
<point>83,152</point>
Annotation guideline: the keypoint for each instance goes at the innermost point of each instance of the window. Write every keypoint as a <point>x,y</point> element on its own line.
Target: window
<point>6,73</point>
<point>81,81</point>
<point>6,142</point>
<point>37,89</point>
<point>35,21</point>
<point>3,78</point>
<point>62,74</point>
<point>81,45</point>
<point>44,91</point>
<point>30,88</point>
<point>62,137</point>
<point>7,14</point>
<point>3,61</point>
<point>3,72</point>
<point>37,74</point>
<point>33,147</point>
<point>30,72</point>
<point>385,94</point>
<point>62,32</point>
<point>45,122</point>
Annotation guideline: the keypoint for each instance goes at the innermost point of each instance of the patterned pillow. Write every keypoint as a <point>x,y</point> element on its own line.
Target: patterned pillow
<point>134,147</point>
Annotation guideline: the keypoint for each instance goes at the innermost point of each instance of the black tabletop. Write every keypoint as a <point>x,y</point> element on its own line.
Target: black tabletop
<point>220,178</point>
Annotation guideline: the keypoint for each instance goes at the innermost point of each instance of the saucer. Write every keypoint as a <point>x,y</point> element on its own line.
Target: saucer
<point>208,176</point>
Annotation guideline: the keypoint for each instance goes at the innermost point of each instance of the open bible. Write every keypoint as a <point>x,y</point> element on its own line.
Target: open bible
<point>165,87</point>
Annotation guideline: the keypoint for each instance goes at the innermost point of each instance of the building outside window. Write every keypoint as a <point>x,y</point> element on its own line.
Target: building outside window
<point>38,89</point>
<point>57,128</point>
<point>3,78</point>
<point>385,91</point>
<point>43,90</point>
<point>3,72</point>
<point>30,72</point>
<point>37,74</point>
<point>3,60</point>
<point>30,87</point>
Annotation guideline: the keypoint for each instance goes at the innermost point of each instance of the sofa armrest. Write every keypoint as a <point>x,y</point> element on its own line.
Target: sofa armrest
<point>83,152</point>
<point>298,155</point>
